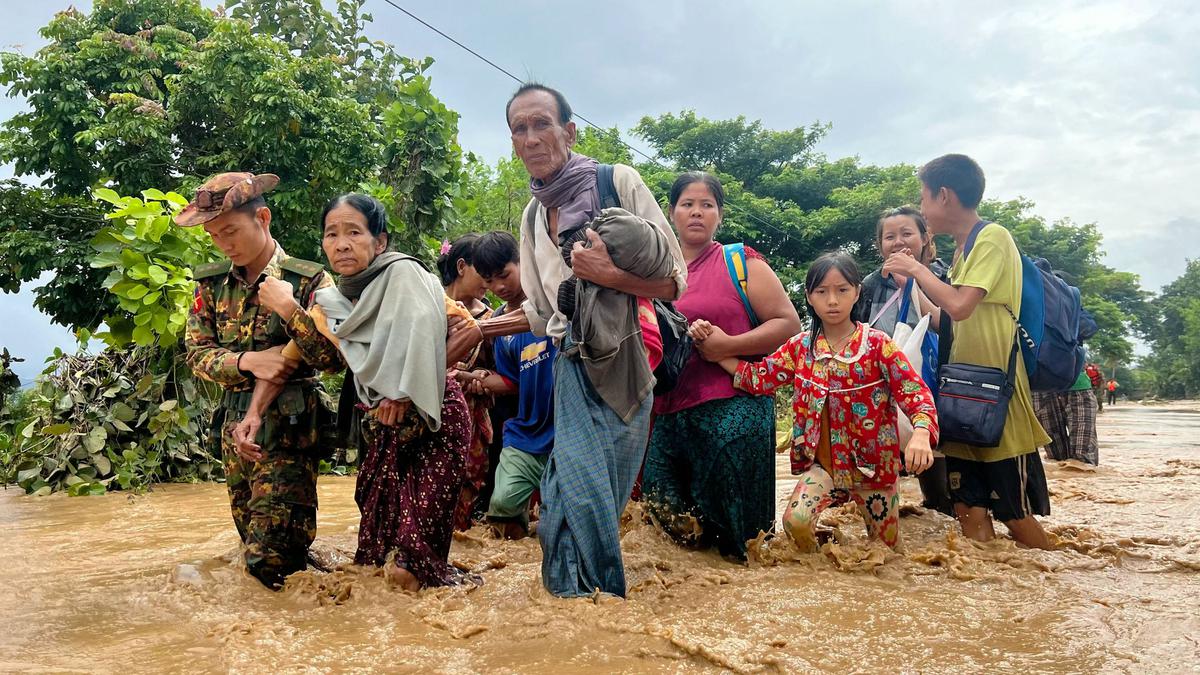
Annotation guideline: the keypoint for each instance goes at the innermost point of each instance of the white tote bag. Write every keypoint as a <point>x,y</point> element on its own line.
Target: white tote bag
<point>909,339</point>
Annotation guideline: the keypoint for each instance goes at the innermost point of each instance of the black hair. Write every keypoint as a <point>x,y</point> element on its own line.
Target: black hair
<point>834,260</point>
<point>914,213</point>
<point>955,172</point>
<point>371,208</point>
<point>710,181</point>
<point>564,108</point>
<point>251,207</point>
<point>463,249</point>
<point>493,252</point>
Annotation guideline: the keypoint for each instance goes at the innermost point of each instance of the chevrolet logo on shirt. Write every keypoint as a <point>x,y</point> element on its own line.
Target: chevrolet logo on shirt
<point>533,354</point>
<point>532,351</point>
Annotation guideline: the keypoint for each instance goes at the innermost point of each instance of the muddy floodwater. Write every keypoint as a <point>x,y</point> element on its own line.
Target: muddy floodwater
<point>146,584</point>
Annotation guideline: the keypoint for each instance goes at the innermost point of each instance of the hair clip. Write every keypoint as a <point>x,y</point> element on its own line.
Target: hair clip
<point>445,247</point>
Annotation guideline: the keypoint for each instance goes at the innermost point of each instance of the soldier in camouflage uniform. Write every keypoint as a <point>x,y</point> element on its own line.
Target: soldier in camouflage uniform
<point>233,339</point>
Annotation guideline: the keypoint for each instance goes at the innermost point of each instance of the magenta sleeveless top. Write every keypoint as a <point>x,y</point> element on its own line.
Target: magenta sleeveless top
<point>712,296</point>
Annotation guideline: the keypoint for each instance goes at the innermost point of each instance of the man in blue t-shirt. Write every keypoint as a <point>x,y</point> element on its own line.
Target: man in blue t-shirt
<point>524,368</point>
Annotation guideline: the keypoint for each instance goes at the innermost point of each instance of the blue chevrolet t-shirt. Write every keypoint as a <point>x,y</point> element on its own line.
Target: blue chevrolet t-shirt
<point>528,360</point>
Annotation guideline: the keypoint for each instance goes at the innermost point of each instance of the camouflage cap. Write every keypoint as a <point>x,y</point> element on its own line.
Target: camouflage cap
<point>224,192</point>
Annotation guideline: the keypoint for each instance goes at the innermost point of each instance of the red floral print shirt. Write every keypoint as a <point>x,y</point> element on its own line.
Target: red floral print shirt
<point>862,385</point>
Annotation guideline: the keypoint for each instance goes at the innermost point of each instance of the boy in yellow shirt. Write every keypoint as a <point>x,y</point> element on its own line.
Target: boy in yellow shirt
<point>984,294</point>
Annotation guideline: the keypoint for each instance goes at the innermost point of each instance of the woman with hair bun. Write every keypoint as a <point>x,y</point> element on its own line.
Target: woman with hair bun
<point>464,285</point>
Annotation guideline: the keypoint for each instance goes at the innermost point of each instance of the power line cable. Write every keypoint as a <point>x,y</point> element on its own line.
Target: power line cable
<point>652,160</point>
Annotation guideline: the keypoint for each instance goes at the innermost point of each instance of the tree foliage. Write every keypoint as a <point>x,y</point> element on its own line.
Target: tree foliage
<point>493,198</point>
<point>1173,367</point>
<point>142,94</point>
<point>40,231</point>
<point>132,414</point>
<point>782,196</point>
<point>151,263</point>
<point>117,419</point>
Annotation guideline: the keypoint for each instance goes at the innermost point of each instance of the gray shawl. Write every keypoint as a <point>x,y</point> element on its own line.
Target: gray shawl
<point>606,320</point>
<point>393,338</point>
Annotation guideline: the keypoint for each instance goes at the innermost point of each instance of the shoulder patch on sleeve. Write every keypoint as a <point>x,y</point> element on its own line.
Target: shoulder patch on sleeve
<point>306,268</point>
<point>214,269</point>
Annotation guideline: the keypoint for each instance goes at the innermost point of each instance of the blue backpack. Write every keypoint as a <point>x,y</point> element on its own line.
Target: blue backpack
<point>1052,324</point>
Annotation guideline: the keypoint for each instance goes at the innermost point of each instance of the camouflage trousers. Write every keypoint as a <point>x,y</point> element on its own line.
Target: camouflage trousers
<point>274,500</point>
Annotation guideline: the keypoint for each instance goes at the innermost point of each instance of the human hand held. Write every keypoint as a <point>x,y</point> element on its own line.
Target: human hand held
<point>269,365</point>
<point>900,279</point>
<point>278,296</point>
<point>592,262</point>
<point>466,377</point>
<point>477,388</point>
<point>699,330</point>
<point>243,438</point>
<point>716,346</point>
<point>390,411</point>
<point>902,263</point>
<point>918,455</point>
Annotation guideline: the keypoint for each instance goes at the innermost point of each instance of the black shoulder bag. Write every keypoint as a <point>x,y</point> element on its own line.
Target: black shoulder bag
<point>972,401</point>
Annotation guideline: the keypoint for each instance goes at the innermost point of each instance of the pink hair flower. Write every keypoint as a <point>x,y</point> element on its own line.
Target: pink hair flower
<point>445,247</point>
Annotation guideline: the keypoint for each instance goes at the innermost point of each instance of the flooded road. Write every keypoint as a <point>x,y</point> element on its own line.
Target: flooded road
<point>145,584</point>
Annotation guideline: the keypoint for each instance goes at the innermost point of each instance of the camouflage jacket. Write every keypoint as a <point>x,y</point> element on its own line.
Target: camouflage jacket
<point>227,320</point>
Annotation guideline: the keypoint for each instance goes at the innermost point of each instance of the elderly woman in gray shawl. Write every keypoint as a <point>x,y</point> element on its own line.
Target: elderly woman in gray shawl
<point>409,418</point>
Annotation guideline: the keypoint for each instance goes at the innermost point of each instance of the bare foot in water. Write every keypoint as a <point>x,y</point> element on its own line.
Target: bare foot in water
<point>398,576</point>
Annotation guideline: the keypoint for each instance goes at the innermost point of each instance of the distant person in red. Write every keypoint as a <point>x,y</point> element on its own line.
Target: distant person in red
<point>1097,378</point>
<point>1112,386</point>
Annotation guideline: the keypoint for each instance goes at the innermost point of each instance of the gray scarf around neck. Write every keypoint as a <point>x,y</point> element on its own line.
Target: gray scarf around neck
<point>393,336</point>
<point>352,285</point>
<point>572,190</point>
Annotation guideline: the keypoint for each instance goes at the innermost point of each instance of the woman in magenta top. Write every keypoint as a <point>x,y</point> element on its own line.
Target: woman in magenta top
<point>710,471</point>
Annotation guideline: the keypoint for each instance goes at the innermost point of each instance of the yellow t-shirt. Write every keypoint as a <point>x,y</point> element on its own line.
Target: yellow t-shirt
<point>986,339</point>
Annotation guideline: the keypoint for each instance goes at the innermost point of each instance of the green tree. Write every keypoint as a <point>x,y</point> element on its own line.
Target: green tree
<point>141,94</point>
<point>40,231</point>
<point>736,147</point>
<point>493,198</point>
<point>1173,367</point>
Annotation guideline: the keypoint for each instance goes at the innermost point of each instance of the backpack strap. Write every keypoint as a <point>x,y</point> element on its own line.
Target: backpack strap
<point>735,262</point>
<point>609,199</point>
<point>973,236</point>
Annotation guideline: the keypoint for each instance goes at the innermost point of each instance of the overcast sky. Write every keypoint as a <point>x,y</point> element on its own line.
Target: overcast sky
<point>1090,109</point>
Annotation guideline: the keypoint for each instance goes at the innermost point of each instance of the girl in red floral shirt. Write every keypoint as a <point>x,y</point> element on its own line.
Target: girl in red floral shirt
<point>847,379</point>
